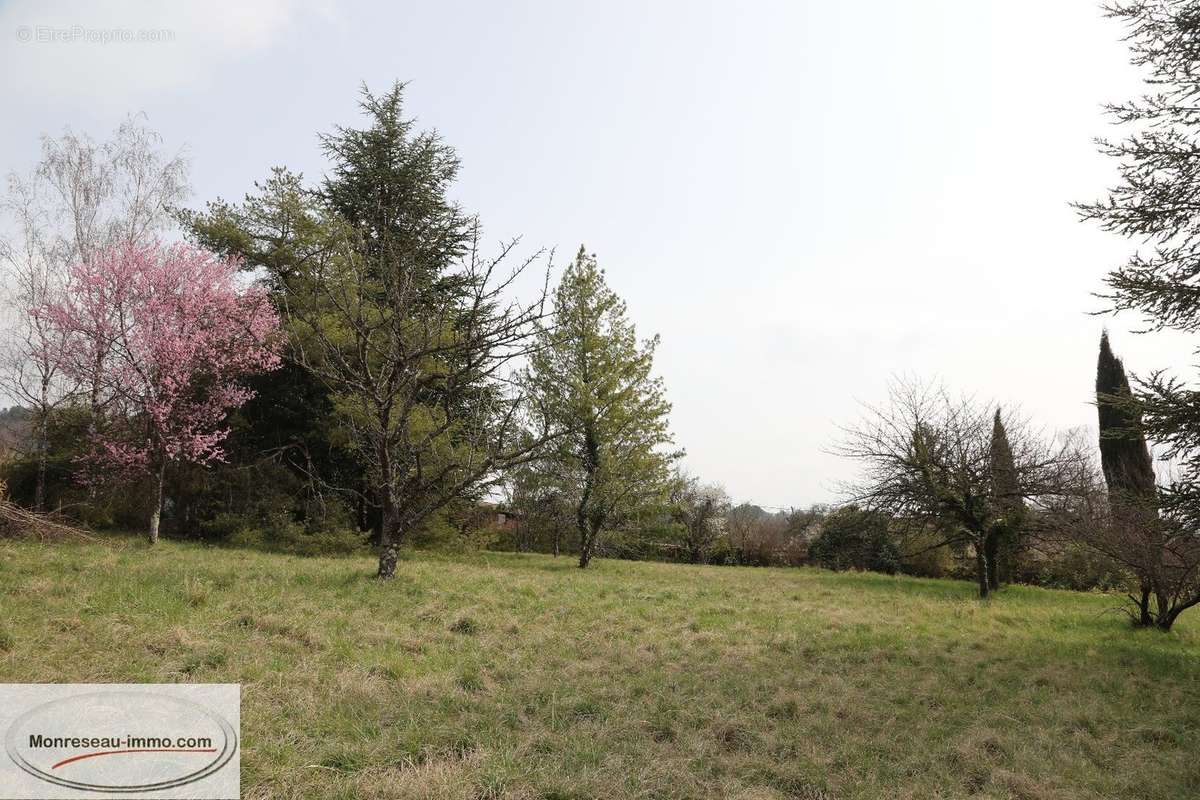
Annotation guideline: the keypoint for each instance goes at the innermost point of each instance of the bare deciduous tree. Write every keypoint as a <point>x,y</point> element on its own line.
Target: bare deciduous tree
<point>1159,547</point>
<point>31,359</point>
<point>416,370</point>
<point>763,538</point>
<point>928,462</point>
<point>699,510</point>
<point>539,494</point>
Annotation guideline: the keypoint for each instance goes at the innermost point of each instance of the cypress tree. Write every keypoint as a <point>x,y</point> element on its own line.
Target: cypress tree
<point>1003,537</point>
<point>1124,455</point>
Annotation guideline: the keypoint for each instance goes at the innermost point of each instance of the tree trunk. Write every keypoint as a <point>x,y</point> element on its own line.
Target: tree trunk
<point>390,538</point>
<point>1144,620</point>
<point>94,399</point>
<point>585,528</point>
<point>991,552</point>
<point>557,538</point>
<point>585,549</point>
<point>389,553</point>
<point>39,488</point>
<point>43,425</point>
<point>156,513</point>
<point>589,534</point>
<point>589,528</point>
<point>390,534</point>
<point>1167,619</point>
<point>1164,611</point>
<point>981,570</point>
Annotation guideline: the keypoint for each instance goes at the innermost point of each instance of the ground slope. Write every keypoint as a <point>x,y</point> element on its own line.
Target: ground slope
<point>522,676</point>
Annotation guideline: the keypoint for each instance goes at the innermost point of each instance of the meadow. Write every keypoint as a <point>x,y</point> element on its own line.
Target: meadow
<point>520,676</point>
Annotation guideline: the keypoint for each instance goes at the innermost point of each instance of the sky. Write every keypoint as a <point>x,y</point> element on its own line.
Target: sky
<point>805,200</point>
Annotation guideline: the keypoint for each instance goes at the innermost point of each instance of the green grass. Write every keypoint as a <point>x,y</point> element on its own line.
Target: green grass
<point>505,676</point>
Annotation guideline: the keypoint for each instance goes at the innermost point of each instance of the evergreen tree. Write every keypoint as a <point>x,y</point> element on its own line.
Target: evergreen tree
<point>393,309</point>
<point>291,424</point>
<point>1124,454</point>
<point>1155,204</point>
<point>591,377</point>
<point>855,538</point>
<point>1003,542</point>
<point>1127,465</point>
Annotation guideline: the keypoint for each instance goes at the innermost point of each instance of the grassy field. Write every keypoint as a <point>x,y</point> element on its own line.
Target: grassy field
<point>505,676</point>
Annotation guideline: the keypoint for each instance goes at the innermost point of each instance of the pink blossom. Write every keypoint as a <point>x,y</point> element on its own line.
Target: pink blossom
<point>164,333</point>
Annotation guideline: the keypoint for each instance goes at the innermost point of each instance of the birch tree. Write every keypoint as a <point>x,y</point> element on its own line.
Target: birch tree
<point>81,198</point>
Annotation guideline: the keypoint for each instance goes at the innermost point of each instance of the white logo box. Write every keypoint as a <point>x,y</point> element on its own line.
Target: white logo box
<point>162,740</point>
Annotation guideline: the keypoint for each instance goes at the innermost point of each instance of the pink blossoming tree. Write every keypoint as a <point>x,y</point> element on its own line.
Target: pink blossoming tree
<point>174,332</point>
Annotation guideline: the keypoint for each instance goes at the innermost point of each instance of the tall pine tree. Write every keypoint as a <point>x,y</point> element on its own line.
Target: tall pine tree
<point>592,377</point>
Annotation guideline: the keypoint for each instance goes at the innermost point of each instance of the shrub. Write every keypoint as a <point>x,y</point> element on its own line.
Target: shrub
<point>928,560</point>
<point>851,538</point>
<point>460,527</point>
<point>285,536</point>
<point>1074,566</point>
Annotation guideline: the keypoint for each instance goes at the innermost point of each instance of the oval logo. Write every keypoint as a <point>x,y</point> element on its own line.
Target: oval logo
<point>119,741</point>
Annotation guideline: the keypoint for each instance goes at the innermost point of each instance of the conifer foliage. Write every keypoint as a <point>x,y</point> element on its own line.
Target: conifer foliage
<point>591,377</point>
<point>1003,541</point>
<point>1154,204</point>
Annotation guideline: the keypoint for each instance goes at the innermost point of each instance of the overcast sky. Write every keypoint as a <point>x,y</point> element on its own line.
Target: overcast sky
<point>803,198</point>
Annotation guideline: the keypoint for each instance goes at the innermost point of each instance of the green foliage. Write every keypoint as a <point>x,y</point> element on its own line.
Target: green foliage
<point>925,558</point>
<point>543,500</point>
<point>1003,543</point>
<point>66,429</point>
<point>462,526</point>
<point>854,538</point>
<point>1153,205</point>
<point>647,535</point>
<point>698,511</point>
<point>1124,456</point>
<point>287,439</point>
<point>593,379</point>
<point>285,536</point>
<point>1075,566</point>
